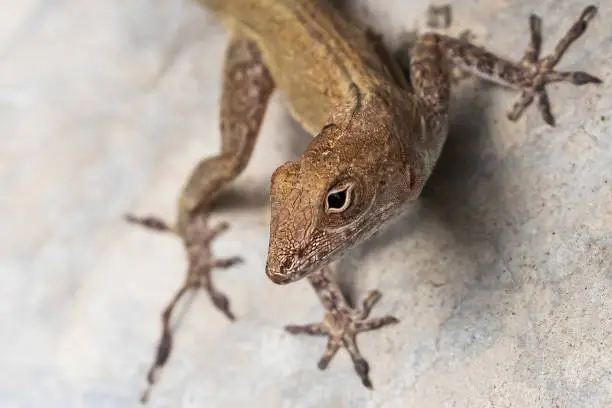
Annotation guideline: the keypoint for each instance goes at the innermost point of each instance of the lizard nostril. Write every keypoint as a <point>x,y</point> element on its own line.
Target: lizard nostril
<point>276,277</point>
<point>277,272</point>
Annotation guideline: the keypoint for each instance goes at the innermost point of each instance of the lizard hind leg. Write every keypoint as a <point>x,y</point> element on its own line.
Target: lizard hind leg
<point>530,75</point>
<point>247,87</point>
<point>342,323</point>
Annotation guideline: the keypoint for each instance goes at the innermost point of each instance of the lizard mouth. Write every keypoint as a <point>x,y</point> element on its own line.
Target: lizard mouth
<point>285,272</point>
<point>282,278</point>
<point>278,278</point>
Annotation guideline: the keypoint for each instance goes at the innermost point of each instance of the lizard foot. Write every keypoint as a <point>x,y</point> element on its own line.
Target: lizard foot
<point>197,240</point>
<point>539,71</point>
<point>342,325</point>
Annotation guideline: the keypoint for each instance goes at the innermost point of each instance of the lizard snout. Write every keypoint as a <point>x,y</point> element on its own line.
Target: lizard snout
<point>277,270</point>
<point>277,278</point>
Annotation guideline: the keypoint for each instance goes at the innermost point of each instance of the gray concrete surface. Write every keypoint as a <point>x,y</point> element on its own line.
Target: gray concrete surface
<point>501,277</point>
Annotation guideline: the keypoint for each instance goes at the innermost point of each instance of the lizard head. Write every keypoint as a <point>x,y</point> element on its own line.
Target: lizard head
<point>335,195</point>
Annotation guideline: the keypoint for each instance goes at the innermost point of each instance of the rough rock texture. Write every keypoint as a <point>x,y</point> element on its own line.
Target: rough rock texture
<point>502,277</point>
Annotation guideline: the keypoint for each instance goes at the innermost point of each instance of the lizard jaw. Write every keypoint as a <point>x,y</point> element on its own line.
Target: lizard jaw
<point>278,278</point>
<point>281,273</point>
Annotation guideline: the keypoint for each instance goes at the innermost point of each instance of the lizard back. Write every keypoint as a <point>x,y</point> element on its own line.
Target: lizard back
<point>315,55</point>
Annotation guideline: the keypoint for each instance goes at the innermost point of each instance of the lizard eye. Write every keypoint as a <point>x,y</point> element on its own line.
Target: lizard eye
<point>338,198</point>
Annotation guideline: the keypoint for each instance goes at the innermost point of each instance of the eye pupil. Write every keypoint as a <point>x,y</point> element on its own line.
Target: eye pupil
<point>336,199</point>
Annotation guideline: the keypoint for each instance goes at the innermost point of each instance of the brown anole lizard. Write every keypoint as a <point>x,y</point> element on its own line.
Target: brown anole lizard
<point>377,137</point>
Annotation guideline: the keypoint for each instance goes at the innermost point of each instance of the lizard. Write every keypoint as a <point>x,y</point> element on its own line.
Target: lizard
<point>377,135</point>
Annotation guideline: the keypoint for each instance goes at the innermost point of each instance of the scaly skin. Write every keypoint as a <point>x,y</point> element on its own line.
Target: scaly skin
<point>376,141</point>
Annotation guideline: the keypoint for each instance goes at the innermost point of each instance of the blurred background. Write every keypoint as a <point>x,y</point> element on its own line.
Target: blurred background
<point>501,277</point>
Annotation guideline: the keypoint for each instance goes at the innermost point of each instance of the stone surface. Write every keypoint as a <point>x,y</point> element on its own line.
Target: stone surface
<point>501,277</point>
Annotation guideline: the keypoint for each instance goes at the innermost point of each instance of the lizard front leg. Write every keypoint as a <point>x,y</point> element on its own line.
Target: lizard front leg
<point>247,86</point>
<point>342,323</point>
<point>530,75</point>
